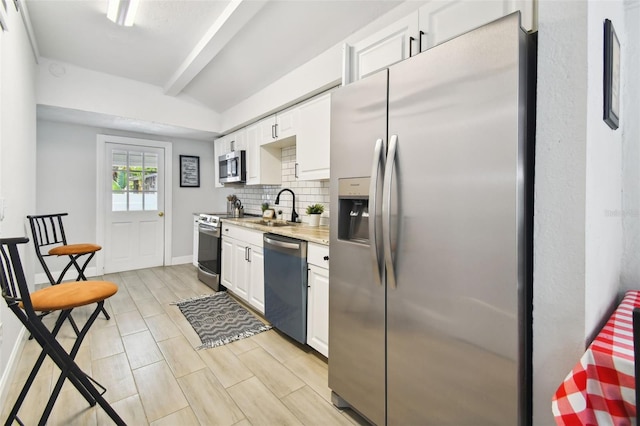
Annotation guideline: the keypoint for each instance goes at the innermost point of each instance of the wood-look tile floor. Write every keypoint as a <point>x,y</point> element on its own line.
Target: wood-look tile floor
<point>146,359</point>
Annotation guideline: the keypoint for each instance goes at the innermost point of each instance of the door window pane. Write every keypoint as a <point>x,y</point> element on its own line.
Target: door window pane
<point>134,181</point>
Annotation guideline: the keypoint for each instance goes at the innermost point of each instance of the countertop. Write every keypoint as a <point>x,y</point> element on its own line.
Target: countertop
<point>314,234</point>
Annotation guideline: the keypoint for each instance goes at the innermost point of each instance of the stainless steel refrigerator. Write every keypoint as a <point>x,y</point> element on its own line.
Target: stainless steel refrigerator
<point>431,209</point>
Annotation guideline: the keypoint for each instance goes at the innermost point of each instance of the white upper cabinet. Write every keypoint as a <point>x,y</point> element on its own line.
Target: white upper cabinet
<point>264,164</point>
<point>378,51</point>
<point>221,146</point>
<point>435,22</point>
<point>286,123</point>
<point>278,127</point>
<point>444,20</point>
<point>238,140</point>
<point>312,138</point>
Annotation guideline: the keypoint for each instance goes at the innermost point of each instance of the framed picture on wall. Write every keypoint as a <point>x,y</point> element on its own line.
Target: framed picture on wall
<point>189,171</point>
<point>611,90</point>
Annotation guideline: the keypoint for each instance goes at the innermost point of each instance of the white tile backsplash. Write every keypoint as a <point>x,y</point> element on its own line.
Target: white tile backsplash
<point>307,192</point>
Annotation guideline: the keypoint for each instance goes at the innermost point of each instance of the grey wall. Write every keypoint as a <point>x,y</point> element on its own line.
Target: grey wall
<point>66,181</point>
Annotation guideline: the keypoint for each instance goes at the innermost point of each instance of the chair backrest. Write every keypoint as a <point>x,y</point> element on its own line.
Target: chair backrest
<point>12,279</point>
<point>47,231</point>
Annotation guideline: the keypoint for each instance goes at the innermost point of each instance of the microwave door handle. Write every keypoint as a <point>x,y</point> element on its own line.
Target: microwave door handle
<point>373,214</point>
<point>386,211</point>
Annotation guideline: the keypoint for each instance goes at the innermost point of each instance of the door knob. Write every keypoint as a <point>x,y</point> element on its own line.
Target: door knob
<point>161,214</point>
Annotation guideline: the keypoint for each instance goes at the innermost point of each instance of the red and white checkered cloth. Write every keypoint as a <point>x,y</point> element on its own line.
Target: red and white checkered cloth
<point>600,390</point>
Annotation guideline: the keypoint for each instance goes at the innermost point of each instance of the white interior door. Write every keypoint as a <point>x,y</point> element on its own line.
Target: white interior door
<point>134,201</point>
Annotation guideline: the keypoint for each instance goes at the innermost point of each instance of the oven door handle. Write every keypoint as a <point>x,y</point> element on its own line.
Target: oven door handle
<point>209,230</point>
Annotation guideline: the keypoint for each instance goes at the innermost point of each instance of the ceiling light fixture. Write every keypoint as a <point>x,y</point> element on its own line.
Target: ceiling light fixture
<point>122,12</point>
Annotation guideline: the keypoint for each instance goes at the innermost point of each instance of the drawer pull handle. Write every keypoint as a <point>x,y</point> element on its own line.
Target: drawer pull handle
<point>326,258</point>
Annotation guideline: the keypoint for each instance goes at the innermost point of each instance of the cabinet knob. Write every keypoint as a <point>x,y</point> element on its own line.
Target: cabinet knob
<point>326,258</point>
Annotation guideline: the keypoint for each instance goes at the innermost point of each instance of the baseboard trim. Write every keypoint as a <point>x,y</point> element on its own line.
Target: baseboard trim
<point>181,260</point>
<point>11,367</point>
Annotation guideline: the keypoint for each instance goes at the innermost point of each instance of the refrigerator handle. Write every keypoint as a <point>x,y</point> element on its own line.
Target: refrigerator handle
<point>386,211</point>
<point>373,214</point>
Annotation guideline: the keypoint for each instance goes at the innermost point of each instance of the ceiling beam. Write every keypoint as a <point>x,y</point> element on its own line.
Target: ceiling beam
<point>232,20</point>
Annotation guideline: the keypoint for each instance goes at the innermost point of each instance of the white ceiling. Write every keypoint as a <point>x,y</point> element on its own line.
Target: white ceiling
<point>215,51</point>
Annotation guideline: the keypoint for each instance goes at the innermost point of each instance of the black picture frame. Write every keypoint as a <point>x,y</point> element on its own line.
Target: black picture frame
<point>611,92</point>
<point>189,171</point>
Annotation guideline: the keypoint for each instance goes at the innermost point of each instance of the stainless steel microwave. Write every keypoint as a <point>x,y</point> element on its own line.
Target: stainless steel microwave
<point>233,167</point>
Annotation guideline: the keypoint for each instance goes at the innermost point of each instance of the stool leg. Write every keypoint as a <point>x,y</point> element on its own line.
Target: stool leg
<point>81,276</point>
<point>76,375</point>
<point>65,372</point>
<point>46,350</point>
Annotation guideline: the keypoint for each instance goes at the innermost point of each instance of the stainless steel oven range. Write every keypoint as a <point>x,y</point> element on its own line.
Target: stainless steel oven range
<point>210,249</point>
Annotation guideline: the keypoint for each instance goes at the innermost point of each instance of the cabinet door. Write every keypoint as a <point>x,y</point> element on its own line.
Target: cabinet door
<point>226,277</point>
<point>239,140</point>
<point>220,147</point>
<point>253,154</point>
<point>196,237</point>
<point>267,130</point>
<point>264,164</point>
<point>383,48</point>
<point>318,310</point>
<point>444,20</point>
<point>240,270</point>
<point>286,123</point>
<point>313,137</point>
<point>256,285</point>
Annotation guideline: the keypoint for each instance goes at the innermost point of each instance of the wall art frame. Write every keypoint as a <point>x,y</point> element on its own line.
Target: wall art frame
<point>611,89</point>
<point>189,171</point>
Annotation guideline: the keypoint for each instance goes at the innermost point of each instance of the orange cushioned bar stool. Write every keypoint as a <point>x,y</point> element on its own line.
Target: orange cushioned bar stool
<point>62,298</point>
<point>49,239</point>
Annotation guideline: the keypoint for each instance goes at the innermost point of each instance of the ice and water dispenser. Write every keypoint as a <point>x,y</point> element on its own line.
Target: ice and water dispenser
<point>353,209</point>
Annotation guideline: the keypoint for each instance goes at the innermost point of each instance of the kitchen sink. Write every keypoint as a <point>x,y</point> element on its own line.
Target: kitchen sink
<point>274,223</point>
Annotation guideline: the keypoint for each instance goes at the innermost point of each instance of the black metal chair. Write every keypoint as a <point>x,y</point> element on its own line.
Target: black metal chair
<point>49,239</point>
<point>62,298</point>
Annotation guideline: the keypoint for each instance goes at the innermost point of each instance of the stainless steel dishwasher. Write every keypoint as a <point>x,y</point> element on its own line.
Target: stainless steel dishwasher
<point>285,285</point>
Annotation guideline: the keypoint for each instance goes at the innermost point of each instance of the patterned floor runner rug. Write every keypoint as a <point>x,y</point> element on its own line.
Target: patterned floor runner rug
<point>219,319</point>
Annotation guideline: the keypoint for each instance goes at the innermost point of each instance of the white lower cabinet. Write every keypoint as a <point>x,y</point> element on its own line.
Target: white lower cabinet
<point>243,264</point>
<point>318,298</point>
<point>256,283</point>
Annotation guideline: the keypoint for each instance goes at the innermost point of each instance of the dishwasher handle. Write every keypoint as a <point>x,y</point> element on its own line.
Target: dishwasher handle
<point>283,244</point>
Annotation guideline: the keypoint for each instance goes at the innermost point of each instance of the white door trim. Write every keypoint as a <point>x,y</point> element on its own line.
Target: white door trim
<point>100,184</point>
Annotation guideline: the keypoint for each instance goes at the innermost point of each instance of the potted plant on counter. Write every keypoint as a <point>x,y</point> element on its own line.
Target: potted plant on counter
<point>314,211</point>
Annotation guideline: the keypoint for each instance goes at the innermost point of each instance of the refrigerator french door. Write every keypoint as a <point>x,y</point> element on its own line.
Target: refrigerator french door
<point>430,298</point>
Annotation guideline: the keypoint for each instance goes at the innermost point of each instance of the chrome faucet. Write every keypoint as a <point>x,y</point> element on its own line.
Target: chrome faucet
<point>294,215</point>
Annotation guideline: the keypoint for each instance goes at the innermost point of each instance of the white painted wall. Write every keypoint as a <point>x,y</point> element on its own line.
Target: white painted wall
<point>85,90</point>
<point>631,150</point>
<point>17,160</point>
<point>603,233</point>
<point>578,246</point>
<point>66,163</point>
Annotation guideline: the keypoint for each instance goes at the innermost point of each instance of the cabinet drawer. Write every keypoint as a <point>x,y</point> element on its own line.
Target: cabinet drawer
<point>316,254</point>
<point>246,235</point>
